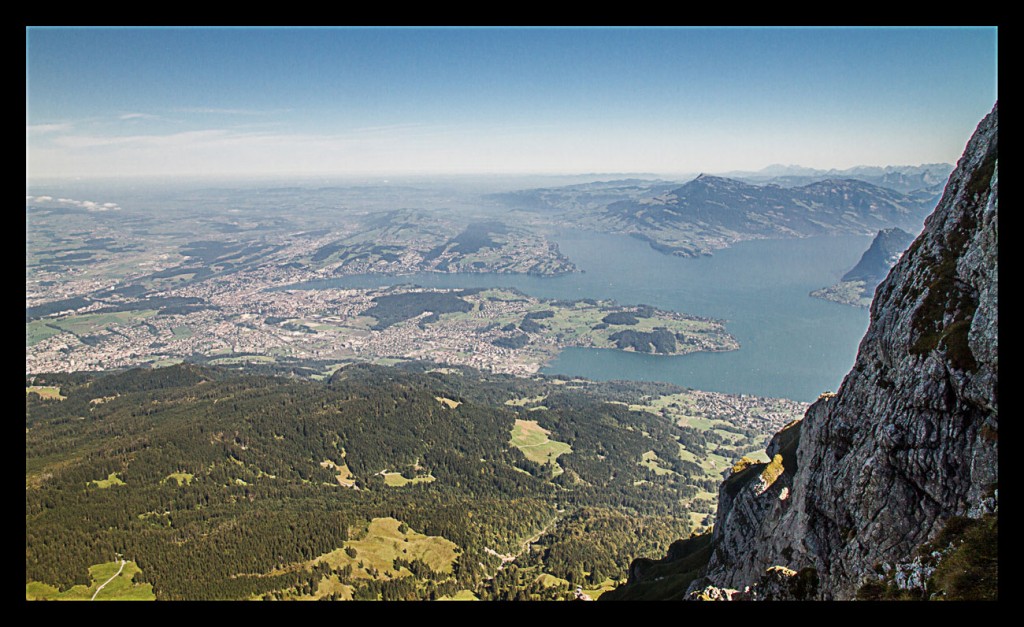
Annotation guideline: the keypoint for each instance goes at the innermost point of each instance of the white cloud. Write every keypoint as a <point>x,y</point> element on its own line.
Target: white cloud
<point>138,116</point>
<point>220,111</point>
<point>47,128</point>
<point>88,205</point>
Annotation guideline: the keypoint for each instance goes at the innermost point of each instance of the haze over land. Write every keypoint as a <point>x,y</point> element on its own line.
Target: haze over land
<point>116,102</point>
<point>291,293</point>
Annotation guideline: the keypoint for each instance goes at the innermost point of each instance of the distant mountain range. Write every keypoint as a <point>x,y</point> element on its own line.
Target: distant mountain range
<point>711,212</point>
<point>902,178</point>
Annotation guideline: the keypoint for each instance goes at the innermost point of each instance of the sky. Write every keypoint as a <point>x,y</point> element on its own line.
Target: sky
<point>181,102</point>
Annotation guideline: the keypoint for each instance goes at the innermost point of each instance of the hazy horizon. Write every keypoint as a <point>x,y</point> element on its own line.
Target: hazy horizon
<point>378,102</point>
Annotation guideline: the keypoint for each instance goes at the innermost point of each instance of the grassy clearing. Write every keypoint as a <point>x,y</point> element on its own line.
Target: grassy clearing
<point>523,402</point>
<point>332,585</point>
<point>696,422</point>
<point>650,460</point>
<point>687,456</point>
<point>45,391</point>
<point>112,479</point>
<point>717,463</point>
<point>180,477</point>
<point>461,595</point>
<point>344,476</point>
<point>447,401</point>
<point>38,591</point>
<point>91,323</point>
<point>604,586</point>
<point>181,331</point>
<point>328,585</point>
<point>696,519</point>
<point>550,581</point>
<point>384,540</point>
<point>396,480</point>
<point>532,439</point>
<point>120,588</point>
<point>37,331</point>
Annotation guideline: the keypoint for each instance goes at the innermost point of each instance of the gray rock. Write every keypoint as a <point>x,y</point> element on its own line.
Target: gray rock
<point>910,438</point>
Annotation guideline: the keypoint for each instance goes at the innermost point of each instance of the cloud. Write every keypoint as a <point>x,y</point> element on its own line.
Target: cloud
<point>220,111</point>
<point>78,142</point>
<point>47,128</point>
<point>388,128</point>
<point>138,116</point>
<point>88,205</point>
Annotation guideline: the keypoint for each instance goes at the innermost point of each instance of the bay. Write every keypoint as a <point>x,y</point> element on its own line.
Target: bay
<point>791,345</point>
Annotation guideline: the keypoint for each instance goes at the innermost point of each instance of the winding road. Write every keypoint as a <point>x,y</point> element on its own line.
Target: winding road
<point>108,580</point>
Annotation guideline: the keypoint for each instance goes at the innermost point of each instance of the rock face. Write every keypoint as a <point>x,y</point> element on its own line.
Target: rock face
<point>910,439</point>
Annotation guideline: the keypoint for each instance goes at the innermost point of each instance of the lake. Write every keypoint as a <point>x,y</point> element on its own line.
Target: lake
<point>792,345</point>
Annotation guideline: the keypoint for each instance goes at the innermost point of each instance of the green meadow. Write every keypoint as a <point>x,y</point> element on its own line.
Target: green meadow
<point>120,588</point>
<point>386,539</point>
<point>532,439</point>
<point>112,479</point>
<point>45,391</point>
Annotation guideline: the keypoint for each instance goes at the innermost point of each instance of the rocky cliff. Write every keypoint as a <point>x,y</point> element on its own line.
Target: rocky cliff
<point>908,443</point>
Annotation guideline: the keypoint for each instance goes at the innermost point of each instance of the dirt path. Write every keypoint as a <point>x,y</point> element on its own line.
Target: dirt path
<point>108,580</point>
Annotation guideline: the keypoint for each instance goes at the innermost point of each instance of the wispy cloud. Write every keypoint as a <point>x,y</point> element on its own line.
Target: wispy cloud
<point>222,111</point>
<point>47,128</point>
<point>388,128</point>
<point>229,150</point>
<point>138,116</point>
<point>80,142</point>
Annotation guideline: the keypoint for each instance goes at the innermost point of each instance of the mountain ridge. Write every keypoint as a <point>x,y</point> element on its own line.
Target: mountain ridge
<point>711,211</point>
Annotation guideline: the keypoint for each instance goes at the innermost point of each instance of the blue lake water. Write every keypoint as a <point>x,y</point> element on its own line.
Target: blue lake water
<point>792,345</point>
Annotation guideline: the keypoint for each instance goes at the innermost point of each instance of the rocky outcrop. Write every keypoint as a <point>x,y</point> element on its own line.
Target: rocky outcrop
<point>880,257</point>
<point>857,286</point>
<point>910,439</point>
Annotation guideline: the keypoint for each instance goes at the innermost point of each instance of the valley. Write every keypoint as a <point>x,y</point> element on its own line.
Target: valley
<point>510,313</point>
<point>384,370</point>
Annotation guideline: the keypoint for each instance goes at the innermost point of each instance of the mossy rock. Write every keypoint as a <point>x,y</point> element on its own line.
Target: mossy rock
<point>970,572</point>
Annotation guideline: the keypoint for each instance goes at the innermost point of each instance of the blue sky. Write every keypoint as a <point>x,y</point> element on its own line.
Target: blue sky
<point>244,101</point>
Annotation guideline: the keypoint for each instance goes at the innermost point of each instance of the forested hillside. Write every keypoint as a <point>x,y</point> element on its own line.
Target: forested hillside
<point>378,483</point>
